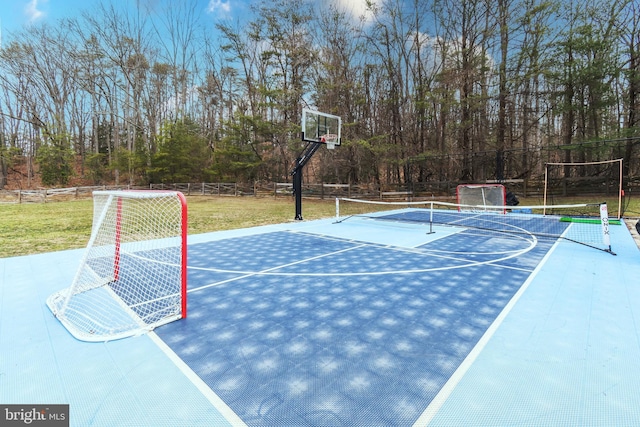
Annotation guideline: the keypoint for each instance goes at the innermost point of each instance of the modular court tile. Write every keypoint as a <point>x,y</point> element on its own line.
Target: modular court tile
<point>359,323</point>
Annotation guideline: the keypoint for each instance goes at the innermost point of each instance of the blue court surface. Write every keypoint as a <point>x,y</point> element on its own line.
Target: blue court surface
<point>359,323</point>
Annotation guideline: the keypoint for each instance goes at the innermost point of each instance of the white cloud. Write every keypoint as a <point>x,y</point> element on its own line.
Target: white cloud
<point>358,9</point>
<point>32,10</point>
<point>219,6</point>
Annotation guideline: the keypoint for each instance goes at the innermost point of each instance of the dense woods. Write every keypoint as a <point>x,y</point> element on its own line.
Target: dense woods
<point>428,91</point>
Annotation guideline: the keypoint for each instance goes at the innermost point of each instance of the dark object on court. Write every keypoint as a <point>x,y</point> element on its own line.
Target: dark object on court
<point>512,199</point>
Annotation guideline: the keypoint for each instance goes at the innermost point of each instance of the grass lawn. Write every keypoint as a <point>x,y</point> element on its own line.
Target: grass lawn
<point>31,228</point>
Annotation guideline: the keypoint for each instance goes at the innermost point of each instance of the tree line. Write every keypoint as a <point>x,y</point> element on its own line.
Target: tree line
<point>428,90</point>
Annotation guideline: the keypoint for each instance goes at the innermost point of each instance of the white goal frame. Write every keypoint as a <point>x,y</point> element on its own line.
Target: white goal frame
<point>603,162</point>
<point>132,277</point>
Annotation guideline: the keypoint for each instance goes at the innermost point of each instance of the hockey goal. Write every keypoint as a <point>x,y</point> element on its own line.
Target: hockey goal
<point>480,197</point>
<point>133,276</point>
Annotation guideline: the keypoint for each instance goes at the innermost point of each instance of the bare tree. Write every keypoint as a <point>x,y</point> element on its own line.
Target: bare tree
<point>178,32</point>
<point>630,35</point>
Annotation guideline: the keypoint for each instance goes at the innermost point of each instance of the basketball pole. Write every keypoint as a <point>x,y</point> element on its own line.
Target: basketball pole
<point>301,161</point>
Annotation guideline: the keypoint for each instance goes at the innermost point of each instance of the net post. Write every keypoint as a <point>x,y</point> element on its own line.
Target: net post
<point>337,209</point>
<point>604,220</point>
<point>184,227</point>
<point>431,218</point>
<point>544,200</point>
<point>620,191</point>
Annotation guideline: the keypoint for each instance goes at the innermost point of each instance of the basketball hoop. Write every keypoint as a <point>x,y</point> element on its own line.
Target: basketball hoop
<point>330,139</point>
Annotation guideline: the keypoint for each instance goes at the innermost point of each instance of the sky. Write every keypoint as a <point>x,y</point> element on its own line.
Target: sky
<point>16,14</point>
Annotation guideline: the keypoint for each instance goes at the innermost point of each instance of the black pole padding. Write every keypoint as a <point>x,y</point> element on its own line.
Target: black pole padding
<point>297,189</point>
<point>302,160</point>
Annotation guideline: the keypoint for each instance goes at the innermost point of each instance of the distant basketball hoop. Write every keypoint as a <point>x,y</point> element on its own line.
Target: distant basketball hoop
<point>317,128</point>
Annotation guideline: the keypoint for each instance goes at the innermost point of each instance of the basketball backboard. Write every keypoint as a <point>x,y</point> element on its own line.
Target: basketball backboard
<point>321,127</point>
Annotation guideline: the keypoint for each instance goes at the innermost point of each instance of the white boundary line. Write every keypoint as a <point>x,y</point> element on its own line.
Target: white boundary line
<point>206,391</point>
<point>444,393</point>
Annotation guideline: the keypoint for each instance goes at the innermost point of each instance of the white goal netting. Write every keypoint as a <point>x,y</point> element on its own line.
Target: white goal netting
<point>132,277</point>
<point>473,197</point>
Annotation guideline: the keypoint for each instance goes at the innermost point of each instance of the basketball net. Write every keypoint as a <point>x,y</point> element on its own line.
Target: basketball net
<point>329,139</point>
